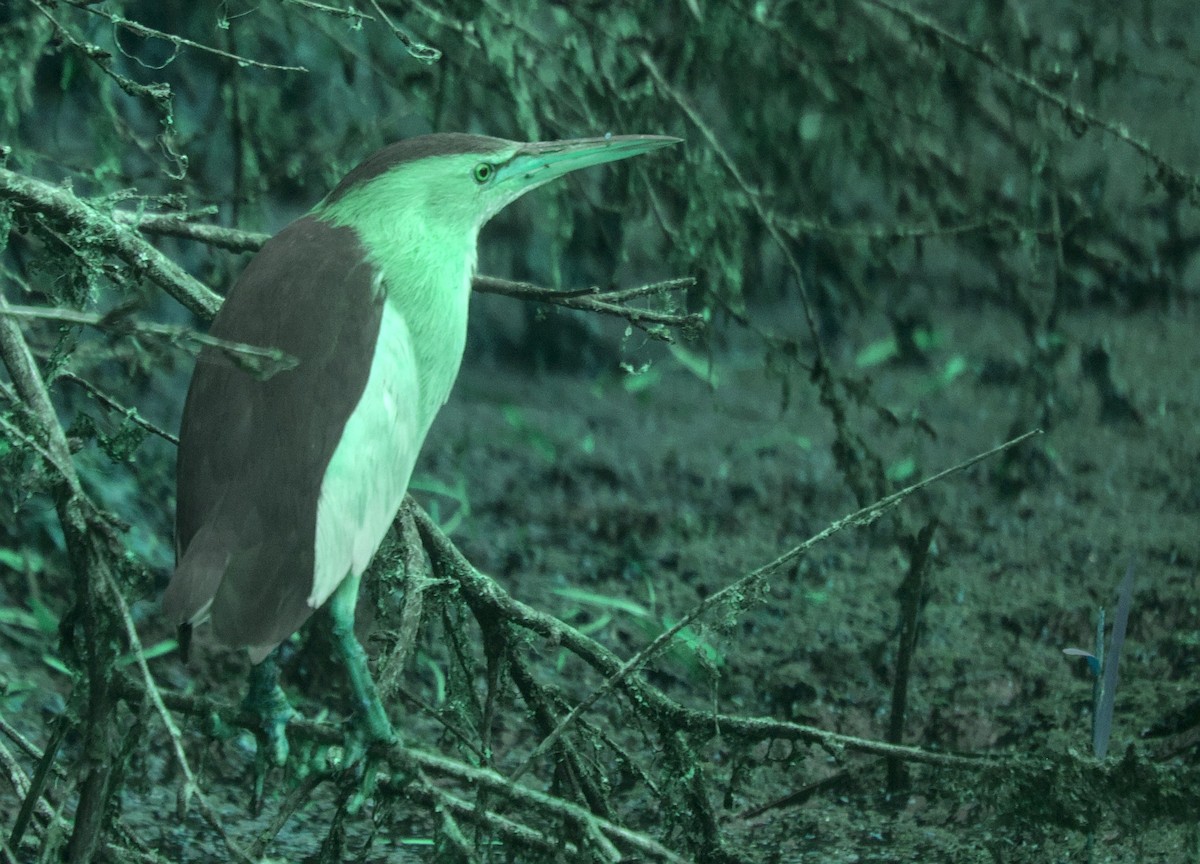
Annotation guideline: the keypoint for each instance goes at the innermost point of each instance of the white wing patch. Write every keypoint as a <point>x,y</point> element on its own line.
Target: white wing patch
<point>368,474</point>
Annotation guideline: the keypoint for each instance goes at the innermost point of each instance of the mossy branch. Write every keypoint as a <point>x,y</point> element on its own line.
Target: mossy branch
<point>99,607</point>
<point>117,232</point>
<point>60,206</point>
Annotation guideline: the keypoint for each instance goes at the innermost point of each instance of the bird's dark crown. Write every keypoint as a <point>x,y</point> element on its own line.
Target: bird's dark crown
<point>410,150</point>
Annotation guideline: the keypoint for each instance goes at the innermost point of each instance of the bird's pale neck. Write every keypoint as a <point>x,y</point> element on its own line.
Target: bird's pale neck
<point>424,264</point>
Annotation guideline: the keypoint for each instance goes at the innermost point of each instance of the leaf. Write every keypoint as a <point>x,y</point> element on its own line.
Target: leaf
<point>879,351</point>
<point>620,603</point>
<point>702,367</point>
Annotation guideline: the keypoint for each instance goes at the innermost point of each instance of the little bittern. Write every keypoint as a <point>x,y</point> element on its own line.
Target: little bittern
<point>287,483</point>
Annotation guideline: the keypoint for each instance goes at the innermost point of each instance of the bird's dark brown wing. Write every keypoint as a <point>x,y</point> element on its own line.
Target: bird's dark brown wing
<point>253,452</point>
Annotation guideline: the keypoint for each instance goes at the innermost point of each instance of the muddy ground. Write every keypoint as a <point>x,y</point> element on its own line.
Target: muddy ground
<point>617,503</point>
<point>689,486</point>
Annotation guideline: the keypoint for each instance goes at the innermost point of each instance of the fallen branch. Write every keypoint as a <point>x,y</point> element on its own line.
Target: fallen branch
<point>747,583</point>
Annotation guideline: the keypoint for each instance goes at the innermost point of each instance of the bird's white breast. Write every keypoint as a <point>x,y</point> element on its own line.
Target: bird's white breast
<point>368,474</point>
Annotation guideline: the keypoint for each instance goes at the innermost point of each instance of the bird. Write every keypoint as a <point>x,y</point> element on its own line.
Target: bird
<point>287,483</point>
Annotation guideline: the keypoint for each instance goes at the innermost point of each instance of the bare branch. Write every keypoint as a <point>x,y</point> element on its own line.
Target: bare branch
<point>1169,174</point>
<point>419,50</point>
<point>606,302</point>
<point>261,360</point>
<point>130,413</point>
<point>173,225</point>
<point>178,41</point>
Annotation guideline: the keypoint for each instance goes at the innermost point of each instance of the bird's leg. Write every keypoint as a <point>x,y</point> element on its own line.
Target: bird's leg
<point>366,696</point>
<point>266,700</point>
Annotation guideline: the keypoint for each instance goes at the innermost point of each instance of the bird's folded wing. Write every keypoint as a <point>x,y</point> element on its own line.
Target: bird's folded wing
<point>254,450</point>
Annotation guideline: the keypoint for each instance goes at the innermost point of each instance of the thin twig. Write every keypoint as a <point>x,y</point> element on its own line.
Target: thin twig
<point>753,195</point>
<point>28,440</point>
<point>130,414</point>
<point>514,832</point>
<point>450,827</point>
<point>23,786</point>
<point>150,33</point>
<point>17,777</point>
<point>418,50</point>
<point>796,226</point>
<point>1170,174</point>
<point>335,11</point>
<point>485,778</point>
<point>296,799</point>
<point>265,361</point>
<point>158,93</point>
<point>605,302</point>
<point>860,466</point>
<point>27,747</point>
<point>37,798</point>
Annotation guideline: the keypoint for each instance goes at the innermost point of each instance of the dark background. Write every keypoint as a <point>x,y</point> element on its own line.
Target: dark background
<point>915,231</point>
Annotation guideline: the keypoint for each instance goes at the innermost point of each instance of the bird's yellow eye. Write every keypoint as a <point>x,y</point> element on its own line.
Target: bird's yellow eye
<point>483,172</point>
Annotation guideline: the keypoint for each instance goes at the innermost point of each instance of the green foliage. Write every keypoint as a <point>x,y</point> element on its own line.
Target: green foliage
<point>535,438</point>
<point>844,160</point>
<point>693,655</point>
<point>456,494</point>
<point>119,446</point>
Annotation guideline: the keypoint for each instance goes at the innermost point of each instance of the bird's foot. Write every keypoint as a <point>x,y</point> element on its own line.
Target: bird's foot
<point>370,731</point>
<point>375,722</point>
<point>370,737</point>
<point>267,702</point>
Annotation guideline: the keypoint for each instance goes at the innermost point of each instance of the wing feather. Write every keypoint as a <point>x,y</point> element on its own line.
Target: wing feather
<point>253,452</point>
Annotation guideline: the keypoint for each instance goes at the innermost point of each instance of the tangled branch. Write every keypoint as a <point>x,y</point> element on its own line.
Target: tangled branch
<point>117,232</point>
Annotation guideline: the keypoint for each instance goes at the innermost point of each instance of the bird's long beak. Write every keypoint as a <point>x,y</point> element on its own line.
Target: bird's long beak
<point>538,163</point>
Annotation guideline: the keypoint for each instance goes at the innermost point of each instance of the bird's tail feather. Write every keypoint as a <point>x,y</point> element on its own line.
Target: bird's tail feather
<point>197,576</point>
